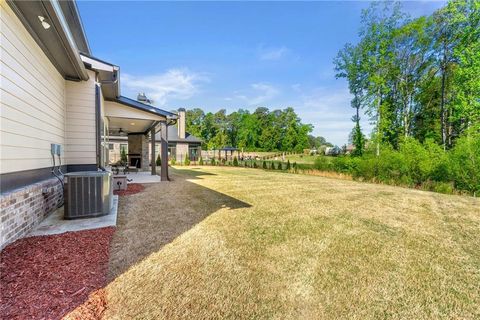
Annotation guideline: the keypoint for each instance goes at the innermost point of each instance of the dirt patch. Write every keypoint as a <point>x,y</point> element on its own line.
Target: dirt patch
<point>132,188</point>
<point>48,276</point>
<point>93,309</point>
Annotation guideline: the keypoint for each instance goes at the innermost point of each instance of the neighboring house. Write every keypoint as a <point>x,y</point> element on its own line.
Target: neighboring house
<point>57,98</point>
<point>332,151</point>
<point>182,143</point>
<point>349,148</point>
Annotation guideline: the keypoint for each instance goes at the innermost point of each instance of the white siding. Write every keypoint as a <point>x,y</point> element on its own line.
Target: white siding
<point>80,124</point>
<point>32,99</point>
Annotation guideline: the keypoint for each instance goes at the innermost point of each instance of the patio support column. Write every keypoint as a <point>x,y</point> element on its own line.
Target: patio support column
<point>153,158</point>
<point>164,151</point>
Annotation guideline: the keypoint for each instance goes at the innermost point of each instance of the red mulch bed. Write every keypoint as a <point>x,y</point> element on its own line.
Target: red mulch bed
<point>48,276</point>
<point>132,188</point>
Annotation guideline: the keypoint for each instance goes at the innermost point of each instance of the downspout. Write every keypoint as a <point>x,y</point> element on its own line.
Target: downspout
<point>98,127</point>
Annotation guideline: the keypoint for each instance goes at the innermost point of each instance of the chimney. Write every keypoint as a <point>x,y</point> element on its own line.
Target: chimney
<point>181,123</point>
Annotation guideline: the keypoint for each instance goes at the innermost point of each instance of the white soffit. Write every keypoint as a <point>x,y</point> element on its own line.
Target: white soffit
<point>117,110</point>
<point>97,65</point>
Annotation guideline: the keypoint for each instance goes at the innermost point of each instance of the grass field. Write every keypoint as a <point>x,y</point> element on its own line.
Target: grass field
<point>237,243</point>
<point>302,159</point>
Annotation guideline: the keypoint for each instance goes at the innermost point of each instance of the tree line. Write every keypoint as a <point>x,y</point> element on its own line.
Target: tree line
<point>260,130</point>
<point>415,78</point>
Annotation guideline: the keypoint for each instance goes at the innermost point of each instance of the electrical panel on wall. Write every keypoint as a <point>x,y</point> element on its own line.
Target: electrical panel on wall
<point>56,149</point>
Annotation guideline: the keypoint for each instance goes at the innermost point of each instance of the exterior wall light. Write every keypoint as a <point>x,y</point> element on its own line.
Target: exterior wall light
<point>44,22</point>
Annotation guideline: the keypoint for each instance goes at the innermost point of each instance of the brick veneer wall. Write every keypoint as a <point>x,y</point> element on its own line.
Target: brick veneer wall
<point>138,143</point>
<point>24,208</point>
<point>182,151</point>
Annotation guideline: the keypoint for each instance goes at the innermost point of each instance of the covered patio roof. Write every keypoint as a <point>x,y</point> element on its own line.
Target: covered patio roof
<point>129,116</point>
<point>125,115</point>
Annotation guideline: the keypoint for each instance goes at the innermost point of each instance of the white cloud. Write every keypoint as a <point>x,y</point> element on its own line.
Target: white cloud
<point>262,93</point>
<point>330,112</point>
<point>173,84</point>
<point>273,54</point>
<point>297,87</point>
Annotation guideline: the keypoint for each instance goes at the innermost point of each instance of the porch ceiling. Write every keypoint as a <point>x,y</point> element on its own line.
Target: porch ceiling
<point>130,120</point>
<point>127,125</point>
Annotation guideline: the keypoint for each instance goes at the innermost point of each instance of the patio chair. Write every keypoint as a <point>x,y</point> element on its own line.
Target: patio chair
<point>133,168</point>
<point>115,169</point>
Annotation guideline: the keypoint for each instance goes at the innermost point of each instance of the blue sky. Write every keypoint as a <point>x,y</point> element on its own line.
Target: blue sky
<point>234,55</point>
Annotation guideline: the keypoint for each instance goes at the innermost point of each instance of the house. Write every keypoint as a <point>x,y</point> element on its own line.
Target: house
<point>180,142</point>
<point>332,151</point>
<point>349,148</point>
<point>60,106</point>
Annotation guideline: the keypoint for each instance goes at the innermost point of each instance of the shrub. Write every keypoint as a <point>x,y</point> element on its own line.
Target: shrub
<point>172,161</point>
<point>235,161</point>
<point>440,187</point>
<point>272,165</point>
<point>437,162</point>
<point>158,162</point>
<point>245,164</point>
<point>264,165</point>
<point>279,166</point>
<point>123,156</point>
<point>391,167</point>
<point>255,165</point>
<point>212,161</point>
<point>295,166</point>
<point>187,160</point>
<point>344,164</point>
<point>288,164</point>
<point>322,163</point>
<point>416,160</point>
<point>464,163</point>
<point>200,162</point>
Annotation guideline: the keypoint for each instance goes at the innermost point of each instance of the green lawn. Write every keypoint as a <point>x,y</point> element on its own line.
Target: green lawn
<point>302,159</point>
<point>236,243</point>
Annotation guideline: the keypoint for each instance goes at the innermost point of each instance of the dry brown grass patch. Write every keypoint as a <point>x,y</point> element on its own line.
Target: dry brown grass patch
<point>237,243</point>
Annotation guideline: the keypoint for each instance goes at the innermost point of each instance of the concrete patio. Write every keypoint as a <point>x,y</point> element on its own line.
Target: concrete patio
<point>143,177</point>
<point>55,224</point>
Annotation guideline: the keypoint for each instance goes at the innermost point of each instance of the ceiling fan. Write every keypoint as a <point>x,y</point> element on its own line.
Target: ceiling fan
<point>119,132</point>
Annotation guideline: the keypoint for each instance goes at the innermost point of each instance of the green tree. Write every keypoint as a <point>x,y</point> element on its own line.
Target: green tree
<point>349,65</point>
<point>123,155</point>
<point>378,23</point>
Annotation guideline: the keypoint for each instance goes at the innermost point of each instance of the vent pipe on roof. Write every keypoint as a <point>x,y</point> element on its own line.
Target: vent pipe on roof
<point>141,97</point>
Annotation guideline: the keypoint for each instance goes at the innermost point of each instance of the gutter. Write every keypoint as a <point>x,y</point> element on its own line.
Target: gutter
<point>56,16</point>
<point>27,12</point>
